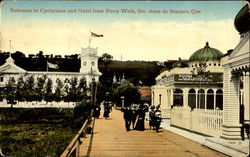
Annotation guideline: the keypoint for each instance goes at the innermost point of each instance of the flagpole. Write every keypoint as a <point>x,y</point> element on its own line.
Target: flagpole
<point>89,37</point>
<point>10,49</point>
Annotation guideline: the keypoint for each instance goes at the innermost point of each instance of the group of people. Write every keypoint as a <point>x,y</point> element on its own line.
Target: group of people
<point>136,117</point>
<point>133,115</point>
<point>155,118</point>
<point>106,110</point>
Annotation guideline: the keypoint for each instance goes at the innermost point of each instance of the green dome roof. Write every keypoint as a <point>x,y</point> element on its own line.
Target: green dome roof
<point>242,20</point>
<point>206,54</point>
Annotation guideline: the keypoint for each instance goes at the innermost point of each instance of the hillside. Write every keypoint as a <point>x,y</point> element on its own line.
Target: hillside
<point>137,72</point>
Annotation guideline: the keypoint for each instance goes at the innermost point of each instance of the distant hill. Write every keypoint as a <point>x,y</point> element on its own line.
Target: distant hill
<point>137,72</point>
<point>134,71</point>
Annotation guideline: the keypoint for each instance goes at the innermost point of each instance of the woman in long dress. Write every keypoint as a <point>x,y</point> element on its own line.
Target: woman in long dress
<point>106,111</point>
<point>141,117</point>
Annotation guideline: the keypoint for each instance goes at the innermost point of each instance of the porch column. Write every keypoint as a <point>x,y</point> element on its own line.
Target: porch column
<point>231,127</point>
<point>214,98</point>
<point>205,99</point>
<point>246,90</point>
<point>185,97</point>
<point>171,96</point>
<point>196,98</point>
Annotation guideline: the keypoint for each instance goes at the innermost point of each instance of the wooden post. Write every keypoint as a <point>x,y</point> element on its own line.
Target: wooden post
<point>77,147</point>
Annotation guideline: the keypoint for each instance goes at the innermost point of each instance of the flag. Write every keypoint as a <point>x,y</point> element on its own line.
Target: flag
<point>53,66</point>
<point>96,35</point>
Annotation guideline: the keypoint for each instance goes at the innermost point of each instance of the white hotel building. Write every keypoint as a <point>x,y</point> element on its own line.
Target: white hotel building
<point>88,69</point>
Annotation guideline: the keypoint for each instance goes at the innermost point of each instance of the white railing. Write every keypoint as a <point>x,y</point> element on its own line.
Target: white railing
<point>207,121</point>
<point>37,104</point>
<point>203,121</point>
<point>165,113</point>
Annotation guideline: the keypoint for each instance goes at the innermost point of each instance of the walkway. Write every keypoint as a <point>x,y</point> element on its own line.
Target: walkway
<point>111,140</point>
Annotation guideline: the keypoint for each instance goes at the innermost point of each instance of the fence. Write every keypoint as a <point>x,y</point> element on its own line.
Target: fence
<point>37,104</point>
<point>165,113</point>
<point>75,143</point>
<point>203,121</point>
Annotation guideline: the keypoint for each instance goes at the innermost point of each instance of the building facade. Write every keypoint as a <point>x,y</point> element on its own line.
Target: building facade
<point>88,69</point>
<point>218,104</point>
<point>197,85</point>
<point>236,65</point>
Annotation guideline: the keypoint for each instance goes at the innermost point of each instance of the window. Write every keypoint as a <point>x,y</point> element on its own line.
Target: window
<point>214,64</point>
<point>201,99</point>
<point>219,99</point>
<point>210,99</point>
<point>12,79</point>
<point>192,98</point>
<point>1,79</point>
<point>178,97</point>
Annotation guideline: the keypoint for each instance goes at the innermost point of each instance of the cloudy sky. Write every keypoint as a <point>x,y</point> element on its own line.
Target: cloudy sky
<point>62,27</point>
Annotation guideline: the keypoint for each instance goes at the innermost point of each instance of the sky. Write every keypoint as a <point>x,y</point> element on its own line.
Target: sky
<point>151,31</point>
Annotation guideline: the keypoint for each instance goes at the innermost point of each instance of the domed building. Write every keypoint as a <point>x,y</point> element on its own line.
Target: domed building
<point>207,54</point>
<point>196,83</point>
<point>211,96</point>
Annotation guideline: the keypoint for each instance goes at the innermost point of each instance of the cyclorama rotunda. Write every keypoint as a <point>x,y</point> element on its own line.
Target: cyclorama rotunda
<point>186,84</point>
<point>210,96</point>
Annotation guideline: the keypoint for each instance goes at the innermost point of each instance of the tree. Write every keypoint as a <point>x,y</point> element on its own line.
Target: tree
<point>10,91</point>
<point>67,94</point>
<point>73,90</point>
<point>1,94</point>
<point>201,72</point>
<point>106,57</point>
<point>40,55</point>
<point>82,89</point>
<point>29,89</point>
<point>129,91</point>
<point>19,89</point>
<point>40,89</point>
<point>59,91</point>
<point>48,91</point>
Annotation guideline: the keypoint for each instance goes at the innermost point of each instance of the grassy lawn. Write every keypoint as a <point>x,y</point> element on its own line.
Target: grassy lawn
<point>38,132</point>
<point>34,139</point>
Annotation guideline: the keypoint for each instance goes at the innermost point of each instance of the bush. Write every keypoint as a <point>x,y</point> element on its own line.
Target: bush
<point>81,112</point>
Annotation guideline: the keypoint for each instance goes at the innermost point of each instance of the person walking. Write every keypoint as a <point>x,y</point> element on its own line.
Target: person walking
<point>97,110</point>
<point>157,118</point>
<point>133,116</point>
<point>141,117</point>
<point>106,111</point>
<point>152,118</point>
<point>127,115</point>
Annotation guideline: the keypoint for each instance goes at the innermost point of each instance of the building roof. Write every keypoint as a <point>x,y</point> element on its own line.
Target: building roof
<point>180,64</point>
<point>10,67</point>
<point>206,54</point>
<point>242,20</point>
